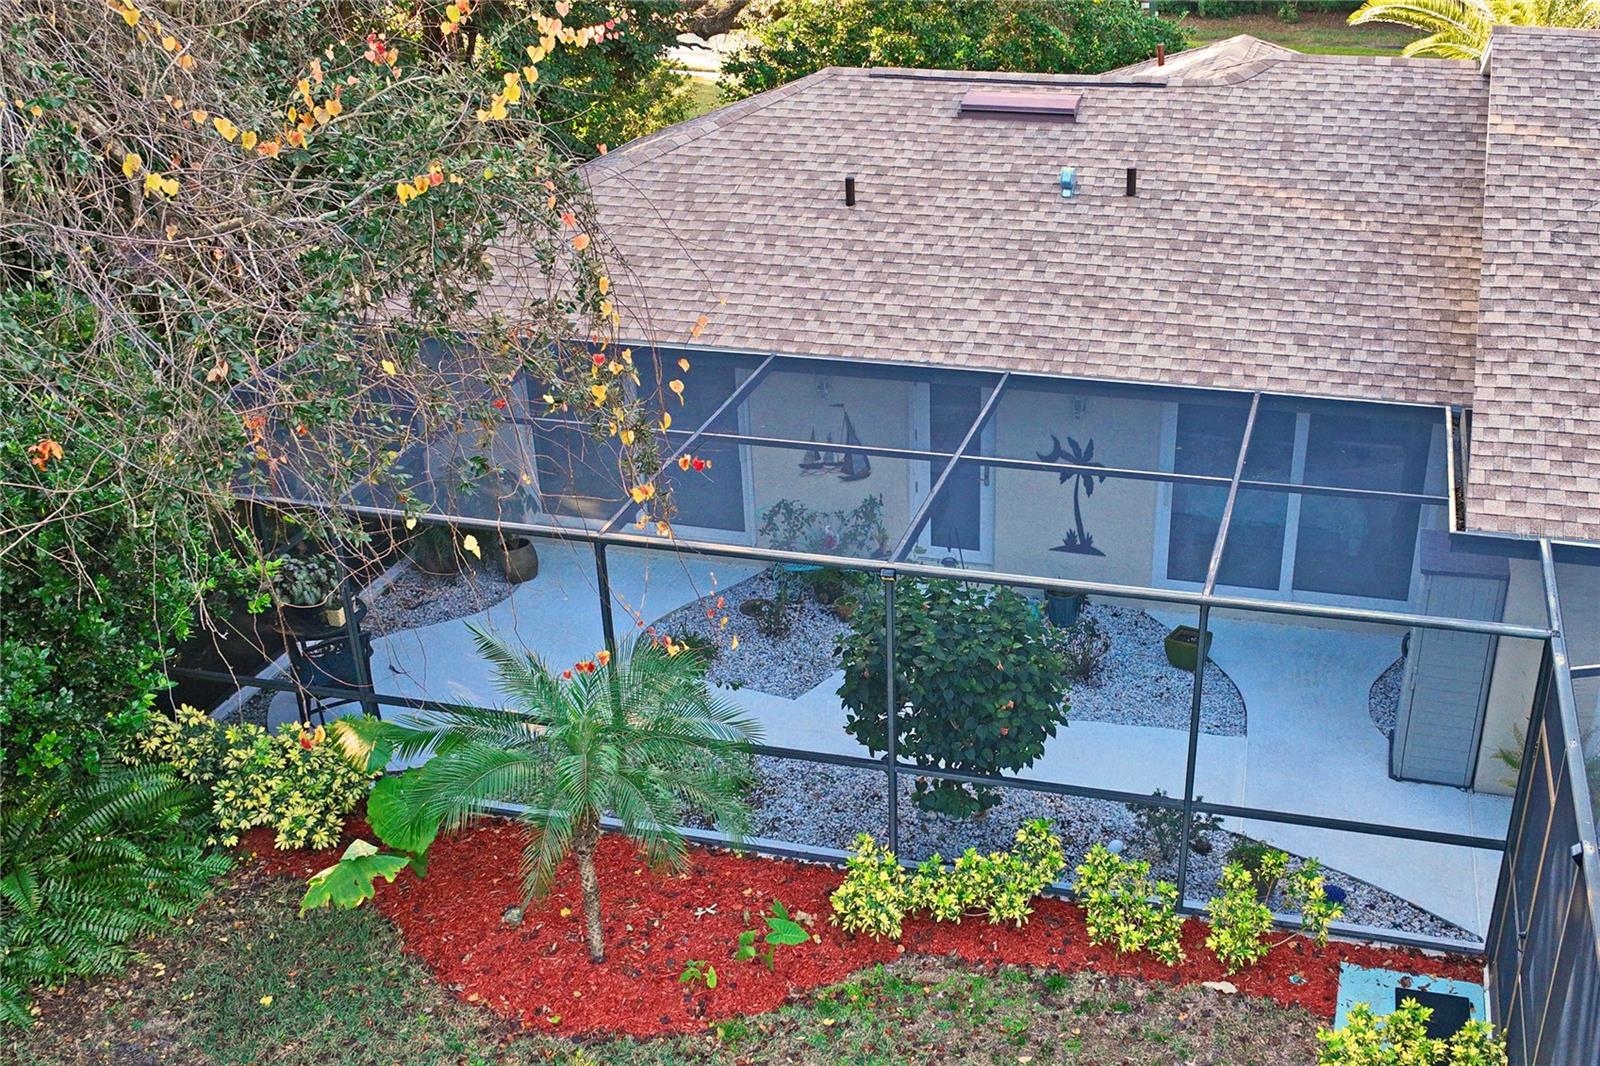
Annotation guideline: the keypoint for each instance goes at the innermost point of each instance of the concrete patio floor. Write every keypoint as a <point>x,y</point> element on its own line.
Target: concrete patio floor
<point>1311,747</point>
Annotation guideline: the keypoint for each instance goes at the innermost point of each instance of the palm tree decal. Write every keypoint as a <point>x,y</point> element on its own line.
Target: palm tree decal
<point>1077,539</point>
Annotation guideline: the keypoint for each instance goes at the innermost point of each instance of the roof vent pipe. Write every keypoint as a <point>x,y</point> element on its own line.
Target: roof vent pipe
<point>849,192</point>
<point>1161,55</point>
<point>1133,181</point>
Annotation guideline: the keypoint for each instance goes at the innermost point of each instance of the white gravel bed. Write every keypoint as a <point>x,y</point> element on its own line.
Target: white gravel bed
<point>826,806</point>
<point>1135,685</point>
<point>787,666</point>
<point>1383,699</point>
<point>415,599</point>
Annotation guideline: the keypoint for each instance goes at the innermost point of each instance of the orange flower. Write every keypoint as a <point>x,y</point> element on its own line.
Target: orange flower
<point>604,657</point>
<point>44,451</point>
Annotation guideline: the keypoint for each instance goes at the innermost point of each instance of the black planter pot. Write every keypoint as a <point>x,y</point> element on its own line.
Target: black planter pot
<point>1062,607</point>
<point>521,559</point>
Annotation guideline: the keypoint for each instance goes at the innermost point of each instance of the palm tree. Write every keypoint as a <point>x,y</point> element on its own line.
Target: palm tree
<point>1460,29</point>
<point>641,737</point>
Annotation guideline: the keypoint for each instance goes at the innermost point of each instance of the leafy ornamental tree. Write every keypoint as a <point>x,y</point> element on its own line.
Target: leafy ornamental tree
<point>1042,36</point>
<point>979,686</point>
<point>1460,29</point>
<point>641,737</point>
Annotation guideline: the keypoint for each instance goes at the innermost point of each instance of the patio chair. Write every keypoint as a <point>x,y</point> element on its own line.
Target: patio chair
<point>330,664</point>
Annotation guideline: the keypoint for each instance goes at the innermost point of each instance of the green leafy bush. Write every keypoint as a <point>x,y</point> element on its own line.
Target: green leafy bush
<point>1240,917</point>
<point>294,782</point>
<point>86,867</point>
<point>980,688</point>
<point>1124,907</point>
<point>1081,646</point>
<point>1401,1039</point>
<point>1045,36</point>
<point>872,899</point>
<point>1001,884</point>
<point>782,931</point>
<point>1239,921</point>
<point>877,896</point>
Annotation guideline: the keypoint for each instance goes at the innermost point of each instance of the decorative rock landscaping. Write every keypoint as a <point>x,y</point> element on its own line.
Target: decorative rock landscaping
<point>1135,685</point>
<point>789,665</point>
<point>826,806</point>
<point>1383,700</point>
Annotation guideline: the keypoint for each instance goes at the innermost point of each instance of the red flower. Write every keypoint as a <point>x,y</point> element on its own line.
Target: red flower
<point>306,742</point>
<point>500,403</point>
<point>566,675</point>
<point>699,464</point>
<point>599,358</point>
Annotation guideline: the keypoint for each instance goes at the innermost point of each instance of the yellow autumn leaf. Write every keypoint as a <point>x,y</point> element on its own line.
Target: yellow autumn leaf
<point>199,115</point>
<point>131,164</point>
<point>530,74</point>
<point>497,108</point>
<point>170,43</point>
<point>411,523</point>
<point>453,13</point>
<point>388,366</point>
<point>469,543</point>
<point>130,15</point>
<point>605,284</point>
<point>627,438</point>
<point>683,365</point>
<point>227,129</point>
<point>248,139</point>
<point>734,643</point>
<point>186,62</point>
<point>677,388</point>
<point>488,173</point>
<point>513,93</point>
<point>666,421</point>
<point>334,107</point>
<point>598,391</point>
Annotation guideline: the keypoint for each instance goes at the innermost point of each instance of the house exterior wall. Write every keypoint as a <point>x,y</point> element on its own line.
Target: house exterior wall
<point>1511,684</point>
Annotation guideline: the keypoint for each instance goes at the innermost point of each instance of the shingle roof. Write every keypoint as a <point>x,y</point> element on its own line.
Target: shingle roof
<point>1535,464</point>
<point>1305,224</point>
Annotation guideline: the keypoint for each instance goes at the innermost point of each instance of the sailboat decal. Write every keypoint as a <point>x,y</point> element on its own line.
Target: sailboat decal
<point>854,466</point>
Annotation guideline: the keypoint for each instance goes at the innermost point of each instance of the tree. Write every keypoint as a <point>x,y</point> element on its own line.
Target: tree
<point>641,736</point>
<point>1460,29</point>
<point>1044,36</point>
<point>979,687</point>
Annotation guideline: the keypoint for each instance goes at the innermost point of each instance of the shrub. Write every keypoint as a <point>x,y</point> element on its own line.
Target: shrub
<point>1401,1039</point>
<point>876,895</point>
<point>1001,884</point>
<point>1239,920</point>
<point>872,899</point>
<point>980,688</point>
<point>1081,646</point>
<point>790,525</point>
<point>1162,827</point>
<point>1240,917</point>
<point>86,867</point>
<point>295,783</point>
<point>1123,906</point>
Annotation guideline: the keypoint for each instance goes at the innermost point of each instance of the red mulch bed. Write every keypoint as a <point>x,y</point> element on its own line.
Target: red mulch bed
<point>538,972</point>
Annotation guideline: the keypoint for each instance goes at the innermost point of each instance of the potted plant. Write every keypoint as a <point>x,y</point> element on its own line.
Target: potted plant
<point>1062,607</point>
<point>1187,647</point>
<point>307,582</point>
<point>520,557</point>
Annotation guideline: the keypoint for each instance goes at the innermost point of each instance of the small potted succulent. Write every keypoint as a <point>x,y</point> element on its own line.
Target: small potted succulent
<point>308,583</point>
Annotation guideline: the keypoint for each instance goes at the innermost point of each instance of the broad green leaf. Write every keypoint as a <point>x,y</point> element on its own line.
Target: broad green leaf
<point>397,814</point>
<point>350,882</point>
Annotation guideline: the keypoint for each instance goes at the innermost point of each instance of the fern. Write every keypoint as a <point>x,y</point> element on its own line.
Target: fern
<point>86,867</point>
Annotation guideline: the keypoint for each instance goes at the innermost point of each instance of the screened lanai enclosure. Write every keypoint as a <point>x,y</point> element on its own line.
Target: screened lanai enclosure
<point>1291,641</point>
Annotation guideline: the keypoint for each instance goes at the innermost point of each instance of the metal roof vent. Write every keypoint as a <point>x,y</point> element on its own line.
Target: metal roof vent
<point>1042,104</point>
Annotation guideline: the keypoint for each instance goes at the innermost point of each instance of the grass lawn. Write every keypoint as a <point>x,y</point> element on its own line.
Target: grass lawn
<point>246,981</point>
<point>1324,32</point>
